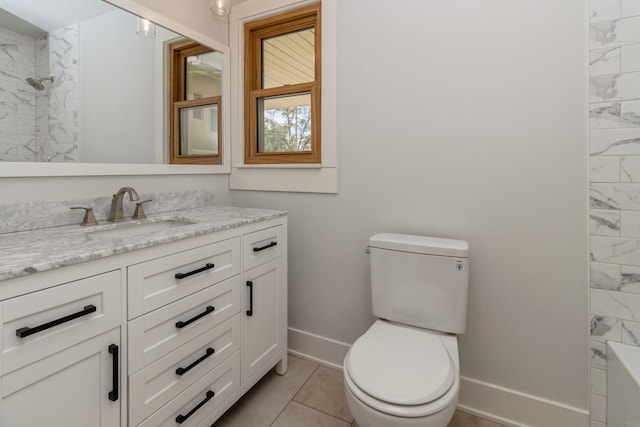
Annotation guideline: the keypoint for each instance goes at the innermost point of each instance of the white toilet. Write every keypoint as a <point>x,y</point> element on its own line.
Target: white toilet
<point>404,370</point>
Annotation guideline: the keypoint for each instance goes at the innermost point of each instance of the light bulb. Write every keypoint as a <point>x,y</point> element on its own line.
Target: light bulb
<point>146,28</point>
<point>221,8</point>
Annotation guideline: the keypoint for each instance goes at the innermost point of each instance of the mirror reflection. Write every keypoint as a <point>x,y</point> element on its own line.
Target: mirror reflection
<point>196,94</point>
<point>82,81</point>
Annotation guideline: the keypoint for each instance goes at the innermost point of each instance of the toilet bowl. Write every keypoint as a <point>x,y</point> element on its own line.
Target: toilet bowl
<point>398,375</point>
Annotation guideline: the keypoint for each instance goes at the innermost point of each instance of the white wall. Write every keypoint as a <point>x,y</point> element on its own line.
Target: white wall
<point>459,119</point>
<point>16,190</point>
<point>124,87</point>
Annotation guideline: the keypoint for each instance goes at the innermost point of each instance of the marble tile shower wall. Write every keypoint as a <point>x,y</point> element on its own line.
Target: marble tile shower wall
<point>39,125</point>
<point>42,97</point>
<point>60,142</point>
<point>614,118</point>
<point>17,98</point>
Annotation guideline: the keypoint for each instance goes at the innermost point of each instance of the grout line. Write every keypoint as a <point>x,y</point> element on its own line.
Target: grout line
<point>323,412</point>
<point>304,384</point>
<point>293,399</point>
<point>294,394</point>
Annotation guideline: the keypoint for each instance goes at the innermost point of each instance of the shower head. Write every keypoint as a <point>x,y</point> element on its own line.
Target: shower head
<point>37,84</point>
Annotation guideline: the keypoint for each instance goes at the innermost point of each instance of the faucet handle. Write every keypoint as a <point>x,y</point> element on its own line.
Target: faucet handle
<point>139,212</point>
<point>89,217</point>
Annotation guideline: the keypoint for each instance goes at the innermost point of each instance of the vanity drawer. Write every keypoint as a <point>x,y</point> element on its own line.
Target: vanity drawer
<point>153,284</point>
<point>262,246</point>
<point>56,318</point>
<point>158,333</point>
<point>207,394</point>
<point>159,382</point>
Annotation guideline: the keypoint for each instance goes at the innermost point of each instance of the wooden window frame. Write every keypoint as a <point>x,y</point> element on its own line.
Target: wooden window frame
<point>178,53</point>
<point>282,24</point>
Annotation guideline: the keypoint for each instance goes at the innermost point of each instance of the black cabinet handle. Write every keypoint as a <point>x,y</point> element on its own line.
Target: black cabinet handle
<point>182,418</point>
<point>208,266</point>
<point>26,331</point>
<point>180,324</point>
<point>181,371</point>
<point>113,394</point>
<point>270,245</point>
<point>250,285</point>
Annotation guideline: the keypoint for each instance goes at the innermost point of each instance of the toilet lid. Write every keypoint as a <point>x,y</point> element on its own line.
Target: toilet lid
<point>400,365</point>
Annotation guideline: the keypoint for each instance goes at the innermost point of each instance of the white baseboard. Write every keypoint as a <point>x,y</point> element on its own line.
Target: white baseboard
<point>322,350</point>
<point>496,403</point>
<point>513,408</point>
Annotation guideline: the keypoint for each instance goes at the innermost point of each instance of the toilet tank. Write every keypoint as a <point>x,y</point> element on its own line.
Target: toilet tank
<point>420,281</point>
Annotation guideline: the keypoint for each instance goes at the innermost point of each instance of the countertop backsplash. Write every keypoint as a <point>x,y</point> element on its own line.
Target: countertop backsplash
<point>36,215</point>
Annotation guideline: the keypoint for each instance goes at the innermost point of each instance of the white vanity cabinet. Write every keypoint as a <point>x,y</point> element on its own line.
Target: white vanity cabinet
<point>61,354</point>
<point>71,388</point>
<point>169,335</point>
<point>264,277</point>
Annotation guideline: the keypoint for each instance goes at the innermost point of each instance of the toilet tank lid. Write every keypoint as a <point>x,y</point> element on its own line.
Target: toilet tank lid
<point>420,244</point>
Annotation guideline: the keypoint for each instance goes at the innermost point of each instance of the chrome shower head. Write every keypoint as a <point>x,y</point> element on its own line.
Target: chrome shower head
<point>37,84</point>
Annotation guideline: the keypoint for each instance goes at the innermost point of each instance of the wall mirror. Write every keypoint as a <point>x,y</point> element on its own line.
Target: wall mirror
<point>85,86</point>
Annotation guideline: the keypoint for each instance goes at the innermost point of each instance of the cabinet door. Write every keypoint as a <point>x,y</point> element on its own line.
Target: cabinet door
<point>263,334</point>
<point>71,388</point>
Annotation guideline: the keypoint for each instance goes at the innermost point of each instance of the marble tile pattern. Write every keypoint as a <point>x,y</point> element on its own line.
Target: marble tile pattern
<point>60,142</point>
<point>17,98</point>
<point>39,125</point>
<point>614,179</point>
<point>42,97</point>
<point>43,214</point>
<point>27,252</point>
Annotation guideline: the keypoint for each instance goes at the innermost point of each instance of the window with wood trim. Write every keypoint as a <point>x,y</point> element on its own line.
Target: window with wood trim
<point>282,85</point>
<point>195,95</point>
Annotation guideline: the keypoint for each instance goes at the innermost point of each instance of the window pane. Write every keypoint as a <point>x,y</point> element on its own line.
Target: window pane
<point>199,130</point>
<point>203,75</point>
<point>284,124</point>
<point>288,59</point>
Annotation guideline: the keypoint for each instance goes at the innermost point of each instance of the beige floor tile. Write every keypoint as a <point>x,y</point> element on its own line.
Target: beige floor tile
<point>268,398</point>
<point>296,414</point>
<point>462,419</point>
<point>324,391</point>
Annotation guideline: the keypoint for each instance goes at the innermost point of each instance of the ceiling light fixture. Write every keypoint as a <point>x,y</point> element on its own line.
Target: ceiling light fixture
<point>221,8</point>
<point>146,28</point>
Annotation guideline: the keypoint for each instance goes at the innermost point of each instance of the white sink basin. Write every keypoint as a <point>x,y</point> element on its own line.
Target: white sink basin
<point>132,229</point>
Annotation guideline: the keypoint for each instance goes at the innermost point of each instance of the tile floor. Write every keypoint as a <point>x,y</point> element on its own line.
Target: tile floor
<point>308,395</point>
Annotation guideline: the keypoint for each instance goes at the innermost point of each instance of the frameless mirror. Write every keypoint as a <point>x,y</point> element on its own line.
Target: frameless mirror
<point>82,81</point>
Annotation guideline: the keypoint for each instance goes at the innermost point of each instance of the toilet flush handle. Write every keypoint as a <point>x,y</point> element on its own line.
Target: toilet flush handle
<point>367,250</point>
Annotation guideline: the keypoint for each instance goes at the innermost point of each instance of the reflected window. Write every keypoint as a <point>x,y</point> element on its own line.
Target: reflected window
<point>195,78</point>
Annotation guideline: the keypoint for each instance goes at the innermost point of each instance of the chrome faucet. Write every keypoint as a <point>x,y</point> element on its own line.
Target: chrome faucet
<point>117,214</point>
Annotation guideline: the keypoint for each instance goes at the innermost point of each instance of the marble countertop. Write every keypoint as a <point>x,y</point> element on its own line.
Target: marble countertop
<point>26,252</point>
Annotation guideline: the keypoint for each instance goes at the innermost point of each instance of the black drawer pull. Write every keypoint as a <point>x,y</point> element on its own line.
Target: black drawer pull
<point>250,285</point>
<point>113,394</point>
<point>180,324</point>
<point>208,266</point>
<point>270,245</point>
<point>26,331</point>
<point>182,418</point>
<point>181,371</point>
